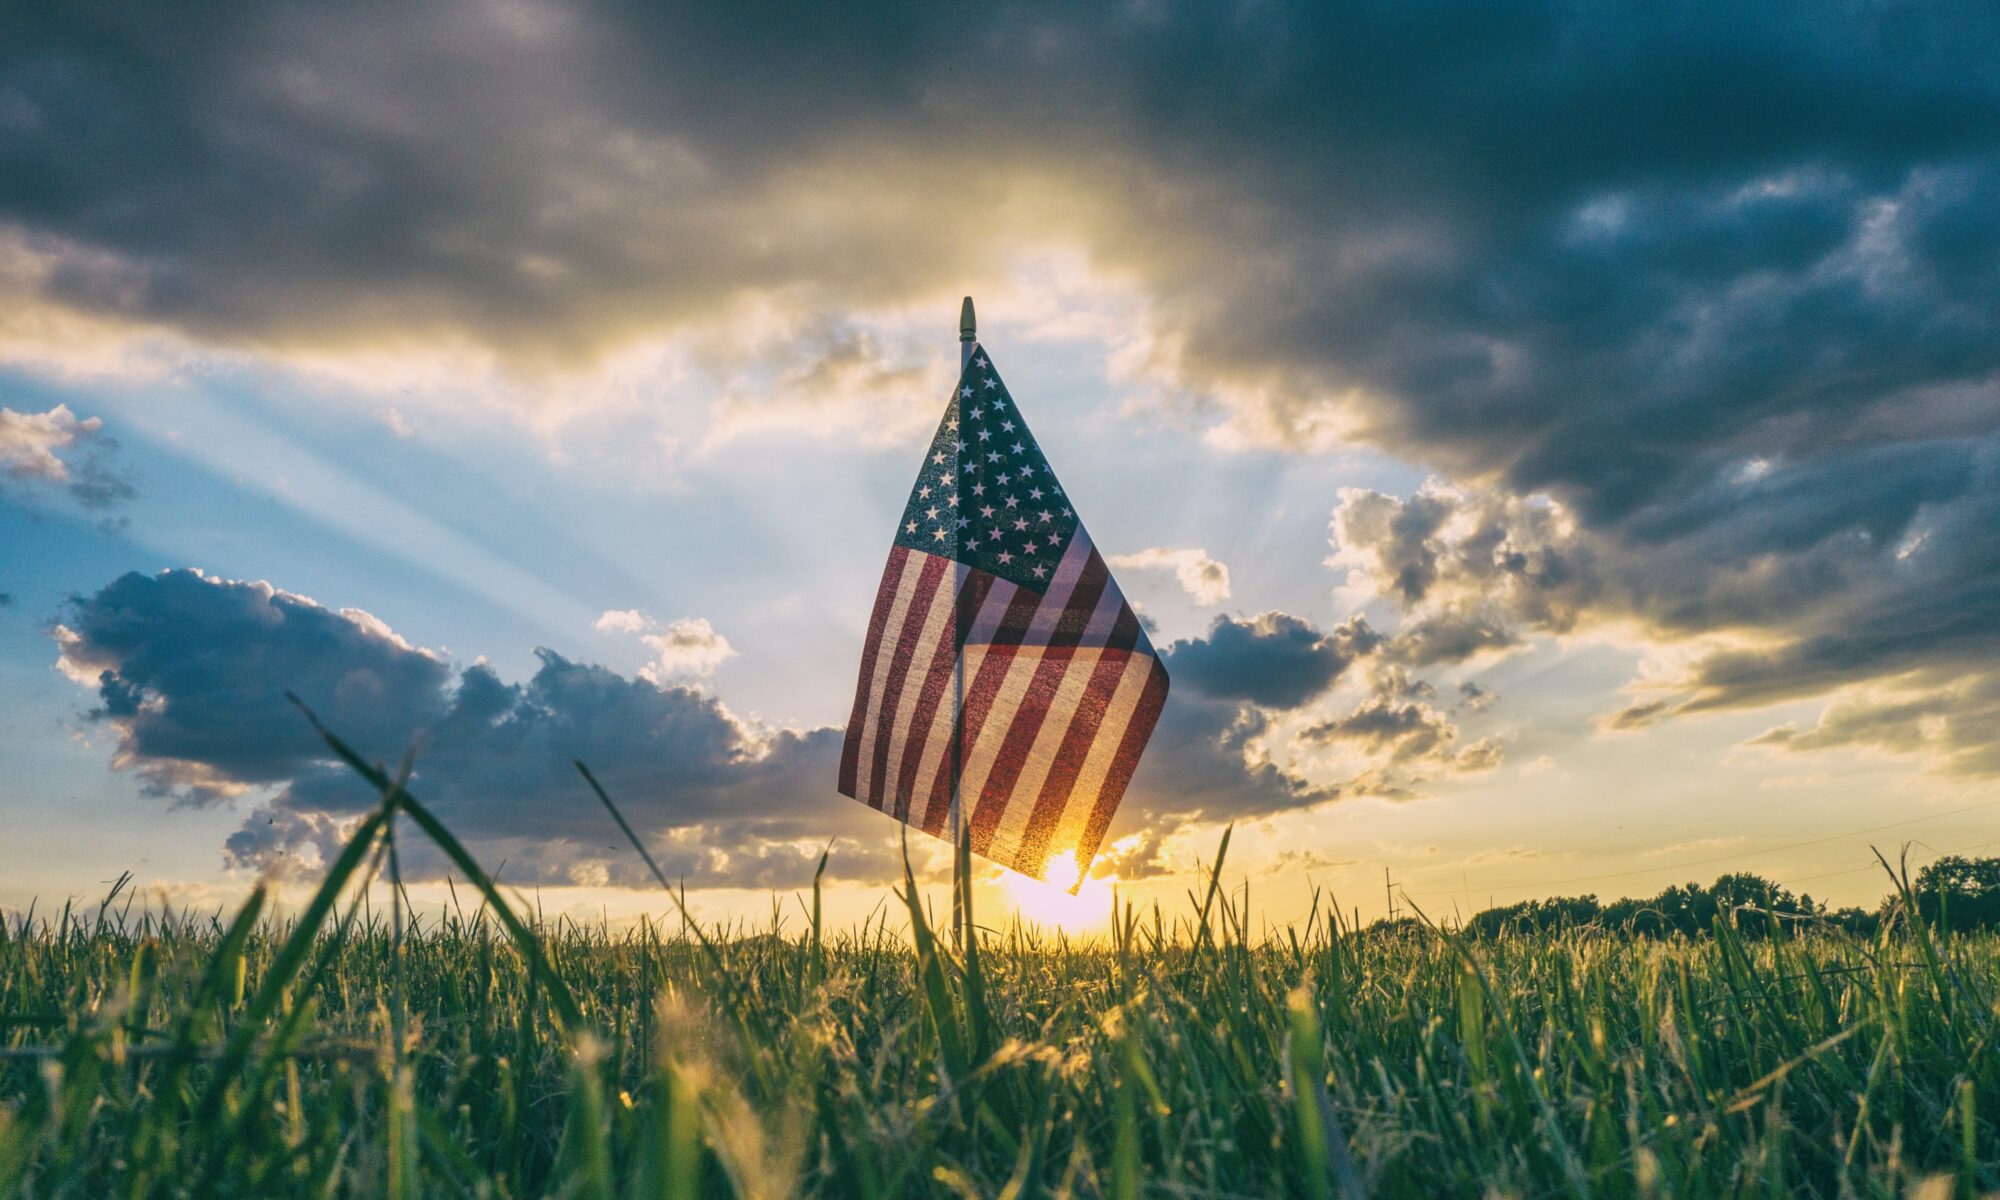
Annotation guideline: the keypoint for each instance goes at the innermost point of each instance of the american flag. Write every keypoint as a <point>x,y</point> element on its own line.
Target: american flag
<point>1060,687</point>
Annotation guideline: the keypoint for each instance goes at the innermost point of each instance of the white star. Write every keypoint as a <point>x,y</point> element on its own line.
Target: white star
<point>974,414</point>
<point>938,458</point>
<point>931,512</point>
<point>1020,523</point>
<point>1007,425</point>
<point>1011,502</point>
<point>986,510</point>
<point>980,362</point>
<point>962,522</point>
<point>1028,549</point>
<point>959,446</point>
<point>953,501</point>
<point>991,383</point>
<point>923,493</point>
<point>992,456</point>
<point>1034,493</point>
<point>1043,515</point>
<point>995,534</point>
<point>938,534</point>
<point>952,424</point>
<point>1055,539</point>
<point>967,393</point>
<point>1041,572</point>
<point>1018,447</point>
<point>979,489</point>
<point>1001,477</point>
<point>1068,513</point>
<point>1005,557</point>
<point>911,527</point>
<point>984,434</point>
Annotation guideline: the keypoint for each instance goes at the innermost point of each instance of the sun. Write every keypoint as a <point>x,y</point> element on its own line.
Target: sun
<point>1048,901</point>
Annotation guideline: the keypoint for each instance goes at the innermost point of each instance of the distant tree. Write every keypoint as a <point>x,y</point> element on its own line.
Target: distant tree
<point>1960,893</point>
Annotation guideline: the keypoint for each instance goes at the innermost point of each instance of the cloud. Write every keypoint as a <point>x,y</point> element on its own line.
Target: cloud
<point>1204,578</point>
<point>1273,659</point>
<point>189,671</point>
<point>689,648</point>
<point>1406,734</point>
<point>685,649</point>
<point>1778,582</point>
<point>57,449</point>
<point>1954,724</point>
<point>626,620</point>
<point>1700,317</point>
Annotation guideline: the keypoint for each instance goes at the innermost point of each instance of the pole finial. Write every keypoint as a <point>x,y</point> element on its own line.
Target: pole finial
<point>968,329</point>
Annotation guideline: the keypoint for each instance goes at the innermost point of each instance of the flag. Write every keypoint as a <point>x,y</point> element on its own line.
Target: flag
<point>1060,686</point>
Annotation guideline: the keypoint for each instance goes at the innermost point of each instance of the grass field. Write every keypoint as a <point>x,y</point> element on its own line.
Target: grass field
<point>348,1051</point>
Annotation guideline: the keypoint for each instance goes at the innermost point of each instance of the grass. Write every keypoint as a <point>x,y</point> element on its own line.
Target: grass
<point>346,1051</point>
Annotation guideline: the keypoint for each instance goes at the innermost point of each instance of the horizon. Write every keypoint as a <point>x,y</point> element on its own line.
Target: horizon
<point>1524,502</point>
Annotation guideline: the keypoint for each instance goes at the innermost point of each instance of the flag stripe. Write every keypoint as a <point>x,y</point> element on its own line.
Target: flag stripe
<point>1147,712</point>
<point>1041,771</point>
<point>1090,781</point>
<point>1067,763</point>
<point>1000,654</point>
<point>931,720</point>
<point>1017,672</point>
<point>930,669</point>
<point>921,592</point>
<point>878,621</point>
<point>1024,725</point>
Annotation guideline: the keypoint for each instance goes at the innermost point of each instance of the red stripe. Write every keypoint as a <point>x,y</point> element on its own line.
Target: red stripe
<point>1026,725</point>
<point>928,578</point>
<point>1071,756</point>
<point>1151,701</point>
<point>992,672</point>
<point>978,701</point>
<point>937,685</point>
<point>1076,614</point>
<point>1126,630</point>
<point>885,599</point>
<point>1012,755</point>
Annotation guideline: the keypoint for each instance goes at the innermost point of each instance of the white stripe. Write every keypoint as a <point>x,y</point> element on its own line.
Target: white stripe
<point>1103,752</point>
<point>998,598</point>
<point>1105,617</point>
<point>1014,818</point>
<point>936,629</point>
<point>1042,626</point>
<point>878,682</point>
<point>937,748</point>
<point>993,730</point>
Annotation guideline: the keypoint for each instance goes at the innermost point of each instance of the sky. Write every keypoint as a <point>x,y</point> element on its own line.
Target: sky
<point>1556,448</point>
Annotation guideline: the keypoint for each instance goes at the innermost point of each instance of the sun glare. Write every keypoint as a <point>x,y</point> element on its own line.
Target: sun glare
<point>1049,902</point>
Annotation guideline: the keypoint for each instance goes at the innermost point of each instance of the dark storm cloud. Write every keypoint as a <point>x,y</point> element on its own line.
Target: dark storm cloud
<point>1273,659</point>
<point>1719,282</point>
<point>191,672</point>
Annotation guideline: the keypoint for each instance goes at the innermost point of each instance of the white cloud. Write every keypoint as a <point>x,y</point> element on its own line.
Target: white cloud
<point>398,423</point>
<point>1206,579</point>
<point>29,441</point>
<point>623,620</point>
<point>689,648</point>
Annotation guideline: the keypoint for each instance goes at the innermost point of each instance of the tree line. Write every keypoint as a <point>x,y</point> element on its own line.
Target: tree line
<point>1953,893</point>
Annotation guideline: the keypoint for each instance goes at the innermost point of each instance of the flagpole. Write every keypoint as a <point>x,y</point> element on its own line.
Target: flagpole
<point>968,336</point>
